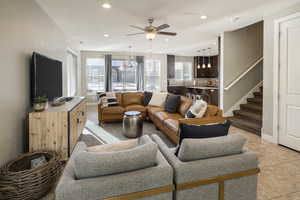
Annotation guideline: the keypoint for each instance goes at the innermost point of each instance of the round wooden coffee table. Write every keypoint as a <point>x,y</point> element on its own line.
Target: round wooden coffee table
<point>132,124</point>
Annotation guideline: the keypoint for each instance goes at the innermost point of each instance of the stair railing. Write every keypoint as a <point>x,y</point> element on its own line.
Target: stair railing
<point>243,74</point>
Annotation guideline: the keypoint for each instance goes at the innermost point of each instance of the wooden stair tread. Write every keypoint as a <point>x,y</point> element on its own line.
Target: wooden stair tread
<point>249,117</point>
<point>250,106</point>
<point>248,114</point>
<point>258,94</point>
<point>255,100</point>
<point>246,125</point>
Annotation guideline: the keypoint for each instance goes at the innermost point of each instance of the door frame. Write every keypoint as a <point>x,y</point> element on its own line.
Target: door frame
<point>275,137</point>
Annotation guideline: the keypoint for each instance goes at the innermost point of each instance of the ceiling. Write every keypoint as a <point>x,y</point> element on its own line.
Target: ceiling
<point>85,22</point>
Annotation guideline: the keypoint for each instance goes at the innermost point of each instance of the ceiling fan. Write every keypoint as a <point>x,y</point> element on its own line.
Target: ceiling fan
<point>151,31</point>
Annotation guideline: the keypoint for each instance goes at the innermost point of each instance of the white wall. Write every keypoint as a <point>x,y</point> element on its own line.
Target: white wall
<point>241,49</point>
<point>268,106</point>
<point>24,28</point>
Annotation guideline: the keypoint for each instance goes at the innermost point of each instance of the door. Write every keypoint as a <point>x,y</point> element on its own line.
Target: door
<point>289,86</point>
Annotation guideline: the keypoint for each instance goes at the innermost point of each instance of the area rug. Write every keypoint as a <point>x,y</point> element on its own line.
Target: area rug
<point>113,132</point>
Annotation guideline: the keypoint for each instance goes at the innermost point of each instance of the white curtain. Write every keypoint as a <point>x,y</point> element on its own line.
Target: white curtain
<point>72,71</point>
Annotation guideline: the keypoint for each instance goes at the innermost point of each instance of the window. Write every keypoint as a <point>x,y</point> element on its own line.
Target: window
<point>72,74</point>
<point>183,70</point>
<point>95,74</point>
<point>152,75</point>
<point>124,76</point>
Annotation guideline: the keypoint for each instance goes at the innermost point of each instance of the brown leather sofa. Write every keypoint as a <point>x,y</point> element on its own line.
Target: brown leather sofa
<point>168,123</point>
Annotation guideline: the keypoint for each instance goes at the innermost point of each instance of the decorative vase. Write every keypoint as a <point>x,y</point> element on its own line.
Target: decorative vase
<point>39,107</point>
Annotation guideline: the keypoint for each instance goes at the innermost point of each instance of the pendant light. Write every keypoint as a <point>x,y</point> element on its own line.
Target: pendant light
<point>203,64</point>
<point>208,65</point>
<point>198,62</point>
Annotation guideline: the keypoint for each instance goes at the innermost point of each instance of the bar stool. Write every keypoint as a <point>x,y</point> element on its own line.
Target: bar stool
<point>188,95</point>
<point>198,97</point>
<point>194,97</point>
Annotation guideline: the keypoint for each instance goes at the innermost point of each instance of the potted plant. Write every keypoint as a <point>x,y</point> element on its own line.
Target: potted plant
<point>40,104</point>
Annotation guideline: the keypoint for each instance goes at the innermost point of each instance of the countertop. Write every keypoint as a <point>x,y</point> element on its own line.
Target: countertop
<point>197,87</point>
<point>203,87</point>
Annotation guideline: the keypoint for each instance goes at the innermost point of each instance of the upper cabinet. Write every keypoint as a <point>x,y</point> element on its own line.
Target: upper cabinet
<point>171,66</point>
<point>206,72</point>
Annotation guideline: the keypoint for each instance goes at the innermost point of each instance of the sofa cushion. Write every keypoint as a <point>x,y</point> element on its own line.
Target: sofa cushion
<point>117,146</point>
<point>196,149</point>
<point>158,99</point>
<point>185,104</point>
<point>211,111</point>
<point>197,110</point>
<point>154,109</point>
<point>112,110</point>
<point>172,103</point>
<point>147,97</point>
<point>136,108</point>
<point>95,164</point>
<point>132,98</point>
<point>164,115</point>
<point>172,124</point>
<point>202,131</point>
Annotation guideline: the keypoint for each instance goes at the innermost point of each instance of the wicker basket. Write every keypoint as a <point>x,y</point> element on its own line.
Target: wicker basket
<point>19,182</point>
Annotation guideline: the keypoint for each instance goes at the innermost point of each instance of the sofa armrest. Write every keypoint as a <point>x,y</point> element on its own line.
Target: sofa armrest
<point>117,184</point>
<point>185,172</point>
<point>202,121</point>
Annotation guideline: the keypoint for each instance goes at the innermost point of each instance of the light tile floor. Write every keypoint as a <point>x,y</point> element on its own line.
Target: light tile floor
<point>280,168</point>
<point>279,178</point>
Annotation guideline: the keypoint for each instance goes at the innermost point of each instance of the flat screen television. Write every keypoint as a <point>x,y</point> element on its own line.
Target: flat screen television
<point>46,77</point>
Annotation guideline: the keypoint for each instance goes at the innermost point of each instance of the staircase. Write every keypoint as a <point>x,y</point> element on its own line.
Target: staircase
<point>249,117</point>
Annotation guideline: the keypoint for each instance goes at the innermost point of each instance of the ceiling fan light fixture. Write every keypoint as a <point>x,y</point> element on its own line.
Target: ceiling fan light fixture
<point>150,36</point>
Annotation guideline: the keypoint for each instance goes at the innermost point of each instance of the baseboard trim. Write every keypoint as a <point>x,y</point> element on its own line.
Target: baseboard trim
<point>268,137</point>
<point>236,106</point>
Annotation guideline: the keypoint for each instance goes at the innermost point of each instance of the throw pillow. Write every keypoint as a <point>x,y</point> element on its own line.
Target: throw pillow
<point>147,97</point>
<point>196,149</point>
<point>172,103</point>
<point>158,99</point>
<point>197,110</point>
<point>117,146</point>
<point>109,101</point>
<point>95,164</point>
<point>202,131</point>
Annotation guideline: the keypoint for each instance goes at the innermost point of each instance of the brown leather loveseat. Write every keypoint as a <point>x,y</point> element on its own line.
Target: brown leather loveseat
<point>168,123</point>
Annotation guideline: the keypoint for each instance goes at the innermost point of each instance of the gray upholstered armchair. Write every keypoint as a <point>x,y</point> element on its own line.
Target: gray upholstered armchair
<point>151,183</point>
<point>213,169</point>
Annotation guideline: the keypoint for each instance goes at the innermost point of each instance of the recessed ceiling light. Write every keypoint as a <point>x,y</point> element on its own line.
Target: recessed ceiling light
<point>106,35</point>
<point>203,17</point>
<point>167,39</point>
<point>106,5</point>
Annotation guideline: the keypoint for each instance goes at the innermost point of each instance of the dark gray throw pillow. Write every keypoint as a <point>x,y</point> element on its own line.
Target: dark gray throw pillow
<point>147,97</point>
<point>202,131</point>
<point>172,103</point>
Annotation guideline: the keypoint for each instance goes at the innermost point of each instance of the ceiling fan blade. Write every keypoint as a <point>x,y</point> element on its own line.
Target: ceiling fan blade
<point>137,27</point>
<point>167,33</point>
<point>163,26</point>
<point>134,34</point>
